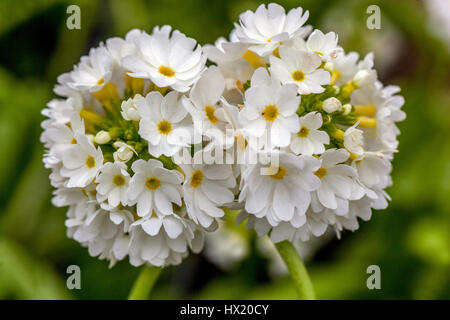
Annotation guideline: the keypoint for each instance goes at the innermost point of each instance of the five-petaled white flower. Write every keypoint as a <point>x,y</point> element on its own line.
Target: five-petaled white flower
<point>309,140</point>
<point>81,163</point>
<point>168,60</point>
<point>266,28</point>
<point>154,188</point>
<point>270,107</point>
<point>162,123</point>
<point>113,184</point>
<point>300,68</point>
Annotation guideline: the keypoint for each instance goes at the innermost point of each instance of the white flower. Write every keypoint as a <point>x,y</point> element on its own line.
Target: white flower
<point>270,106</point>
<point>59,137</point>
<point>163,241</point>
<point>124,152</point>
<point>204,100</point>
<point>336,178</point>
<point>331,105</point>
<point>162,123</point>
<point>93,72</point>
<point>301,69</point>
<point>343,68</point>
<point>325,45</point>
<point>226,247</point>
<point>206,188</point>
<point>129,108</point>
<point>354,140</point>
<point>309,140</point>
<point>373,169</point>
<point>167,60</point>
<point>283,193</point>
<point>103,232</point>
<point>113,184</point>
<point>154,188</point>
<point>81,162</point>
<point>265,28</point>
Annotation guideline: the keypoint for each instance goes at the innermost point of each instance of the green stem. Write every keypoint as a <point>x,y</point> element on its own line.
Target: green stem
<point>297,270</point>
<point>144,283</point>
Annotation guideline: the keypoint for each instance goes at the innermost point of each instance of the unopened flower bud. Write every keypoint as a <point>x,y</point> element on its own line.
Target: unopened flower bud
<point>347,108</point>
<point>329,66</point>
<point>124,152</point>
<point>331,105</point>
<point>129,108</point>
<point>102,137</point>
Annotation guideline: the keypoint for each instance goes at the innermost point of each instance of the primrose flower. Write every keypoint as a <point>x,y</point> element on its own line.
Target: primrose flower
<point>149,145</point>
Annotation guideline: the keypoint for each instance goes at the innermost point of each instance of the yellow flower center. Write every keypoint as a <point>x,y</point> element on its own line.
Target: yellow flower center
<point>303,133</point>
<point>118,180</point>
<point>270,113</point>
<point>164,127</point>
<point>298,75</point>
<point>209,110</point>
<point>90,162</point>
<point>196,179</point>
<point>74,141</point>
<point>166,71</point>
<point>152,183</point>
<point>101,81</point>
<point>321,172</point>
<point>319,53</point>
<point>279,175</point>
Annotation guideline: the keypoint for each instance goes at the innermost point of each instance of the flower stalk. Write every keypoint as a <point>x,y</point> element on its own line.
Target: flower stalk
<point>144,283</point>
<point>297,270</point>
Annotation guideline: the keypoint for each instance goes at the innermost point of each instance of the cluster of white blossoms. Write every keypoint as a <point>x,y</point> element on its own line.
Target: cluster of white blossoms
<point>149,145</point>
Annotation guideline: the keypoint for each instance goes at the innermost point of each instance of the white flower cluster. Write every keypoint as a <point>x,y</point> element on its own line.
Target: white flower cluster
<point>137,141</point>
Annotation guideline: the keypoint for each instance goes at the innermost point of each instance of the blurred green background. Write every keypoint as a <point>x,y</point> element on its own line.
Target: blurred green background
<point>410,241</point>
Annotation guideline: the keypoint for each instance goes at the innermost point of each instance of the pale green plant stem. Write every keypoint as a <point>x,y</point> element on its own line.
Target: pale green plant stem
<point>144,283</point>
<point>297,270</point>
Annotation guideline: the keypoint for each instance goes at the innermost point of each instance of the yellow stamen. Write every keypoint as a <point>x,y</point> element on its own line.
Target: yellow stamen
<point>241,142</point>
<point>279,175</point>
<point>321,172</point>
<point>101,81</point>
<point>353,156</point>
<point>338,134</point>
<point>298,75</point>
<point>90,162</point>
<point>348,89</point>
<point>209,110</point>
<point>166,71</point>
<point>253,59</point>
<point>135,85</point>
<point>303,133</point>
<point>276,52</point>
<point>107,95</point>
<point>91,119</point>
<point>119,180</point>
<point>240,86</point>
<point>366,110</point>
<point>152,183</point>
<point>319,53</point>
<point>270,113</point>
<point>74,141</point>
<point>367,122</point>
<point>196,178</point>
<point>335,75</point>
<point>164,127</point>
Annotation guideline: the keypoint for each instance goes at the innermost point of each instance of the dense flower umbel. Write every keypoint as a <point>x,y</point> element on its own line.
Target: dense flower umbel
<point>148,146</point>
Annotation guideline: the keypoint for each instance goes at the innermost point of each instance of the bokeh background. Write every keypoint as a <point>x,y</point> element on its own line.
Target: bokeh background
<point>410,241</point>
